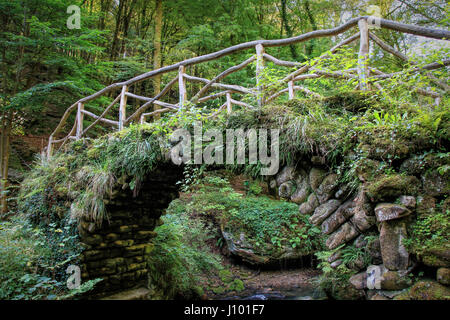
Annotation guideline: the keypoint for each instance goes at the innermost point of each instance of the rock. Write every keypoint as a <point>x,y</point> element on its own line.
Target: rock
<point>326,188</point>
<point>336,264</point>
<point>436,257</point>
<point>335,256</point>
<point>443,276</point>
<point>357,264</point>
<point>302,192</point>
<point>378,296</point>
<point>426,205</point>
<point>342,192</point>
<point>360,241</point>
<point>317,161</point>
<point>359,280</point>
<point>239,248</point>
<point>435,184</point>
<point>323,211</point>
<point>362,218</point>
<point>408,201</point>
<point>342,214</point>
<point>393,252</point>
<point>286,174</point>
<point>366,169</point>
<point>390,211</point>
<point>429,290</point>
<point>316,177</point>
<point>374,250</point>
<point>310,205</point>
<point>345,233</point>
<point>286,189</point>
<point>346,292</point>
<point>395,280</point>
<point>387,187</point>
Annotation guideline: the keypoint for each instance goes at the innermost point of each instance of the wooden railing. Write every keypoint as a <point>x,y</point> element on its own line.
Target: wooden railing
<point>302,72</point>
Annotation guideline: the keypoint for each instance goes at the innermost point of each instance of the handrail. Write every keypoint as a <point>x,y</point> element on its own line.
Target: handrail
<point>362,74</point>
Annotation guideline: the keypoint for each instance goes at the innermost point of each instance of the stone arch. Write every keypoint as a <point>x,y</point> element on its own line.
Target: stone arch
<point>118,250</point>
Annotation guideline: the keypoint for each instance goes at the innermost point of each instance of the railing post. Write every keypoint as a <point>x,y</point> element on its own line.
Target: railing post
<point>80,118</point>
<point>182,85</point>
<point>291,89</point>
<point>50,147</point>
<point>229,105</point>
<point>363,68</point>
<point>259,70</point>
<point>123,107</point>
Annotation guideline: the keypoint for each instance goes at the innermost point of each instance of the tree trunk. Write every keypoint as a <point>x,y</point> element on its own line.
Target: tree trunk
<point>4,163</point>
<point>288,29</point>
<point>157,50</point>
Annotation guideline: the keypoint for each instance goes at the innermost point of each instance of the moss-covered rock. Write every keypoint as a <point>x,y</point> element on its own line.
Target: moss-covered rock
<point>429,290</point>
<point>443,276</point>
<point>387,187</point>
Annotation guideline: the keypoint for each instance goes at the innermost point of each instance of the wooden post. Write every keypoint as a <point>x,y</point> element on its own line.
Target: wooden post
<point>363,68</point>
<point>291,90</point>
<point>80,118</point>
<point>259,70</point>
<point>123,107</point>
<point>50,147</point>
<point>229,105</point>
<point>182,86</point>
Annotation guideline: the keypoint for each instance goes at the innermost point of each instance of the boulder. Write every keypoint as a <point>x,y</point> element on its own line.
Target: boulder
<point>316,176</point>
<point>286,174</point>
<point>408,201</point>
<point>323,211</point>
<point>378,296</point>
<point>359,280</point>
<point>374,250</point>
<point>310,205</point>
<point>443,276</point>
<point>436,184</point>
<point>390,211</point>
<point>436,257</point>
<point>327,187</point>
<point>239,246</point>
<point>426,205</point>
<point>429,290</point>
<point>342,214</point>
<point>395,280</point>
<point>362,219</point>
<point>342,235</point>
<point>389,187</point>
<point>393,252</point>
<point>360,241</point>
<point>302,192</point>
<point>286,189</point>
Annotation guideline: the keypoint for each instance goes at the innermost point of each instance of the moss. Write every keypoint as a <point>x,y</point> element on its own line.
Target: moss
<point>429,290</point>
<point>355,101</point>
<point>387,187</point>
<point>226,276</point>
<point>218,290</point>
<point>390,142</point>
<point>237,285</point>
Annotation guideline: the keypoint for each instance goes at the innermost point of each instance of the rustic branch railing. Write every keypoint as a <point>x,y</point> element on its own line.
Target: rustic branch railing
<point>260,93</point>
